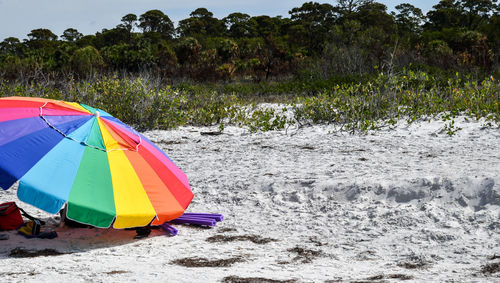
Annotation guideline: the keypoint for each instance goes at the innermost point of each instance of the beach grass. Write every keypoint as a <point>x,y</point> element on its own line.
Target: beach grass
<point>363,106</point>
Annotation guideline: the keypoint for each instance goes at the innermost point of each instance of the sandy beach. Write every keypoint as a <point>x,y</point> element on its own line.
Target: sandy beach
<point>307,204</point>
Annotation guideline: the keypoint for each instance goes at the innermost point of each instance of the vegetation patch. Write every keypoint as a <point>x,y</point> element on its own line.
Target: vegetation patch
<point>203,262</point>
<point>168,142</point>
<point>117,272</point>
<point>30,273</point>
<point>304,255</point>
<point>252,238</point>
<point>23,253</point>
<point>353,107</point>
<point>490,268</point>
<point>412,96</point>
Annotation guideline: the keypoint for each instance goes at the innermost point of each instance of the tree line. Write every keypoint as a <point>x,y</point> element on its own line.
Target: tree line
<point>317,40</point>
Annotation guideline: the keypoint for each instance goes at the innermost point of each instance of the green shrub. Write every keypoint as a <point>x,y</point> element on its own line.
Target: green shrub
<point>85,61</point>
<point>363,106</point>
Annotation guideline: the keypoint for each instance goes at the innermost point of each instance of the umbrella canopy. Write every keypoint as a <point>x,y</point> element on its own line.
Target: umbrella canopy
<point>107,173</point>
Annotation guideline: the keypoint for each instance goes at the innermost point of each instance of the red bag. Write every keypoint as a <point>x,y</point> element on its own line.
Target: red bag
<point>10,216</point>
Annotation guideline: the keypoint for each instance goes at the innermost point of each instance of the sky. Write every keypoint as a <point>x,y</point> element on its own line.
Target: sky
<point>19,17</point>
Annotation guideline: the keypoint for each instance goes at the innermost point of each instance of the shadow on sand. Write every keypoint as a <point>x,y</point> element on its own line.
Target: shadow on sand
<point>69,240</point>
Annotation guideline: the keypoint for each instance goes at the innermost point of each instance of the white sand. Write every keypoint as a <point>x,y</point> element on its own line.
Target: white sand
<point>409,203</point>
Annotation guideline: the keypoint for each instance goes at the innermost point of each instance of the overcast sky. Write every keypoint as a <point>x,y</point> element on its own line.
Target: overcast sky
<point>19,17</point>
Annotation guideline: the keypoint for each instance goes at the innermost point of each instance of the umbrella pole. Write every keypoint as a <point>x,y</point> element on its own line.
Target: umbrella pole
<point>62,214</point>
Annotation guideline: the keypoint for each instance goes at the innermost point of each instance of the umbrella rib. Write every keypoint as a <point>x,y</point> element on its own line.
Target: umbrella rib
<point>82,142</point>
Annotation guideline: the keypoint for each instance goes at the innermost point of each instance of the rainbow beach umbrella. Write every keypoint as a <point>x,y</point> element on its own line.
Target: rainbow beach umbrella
<point>69,153</point>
